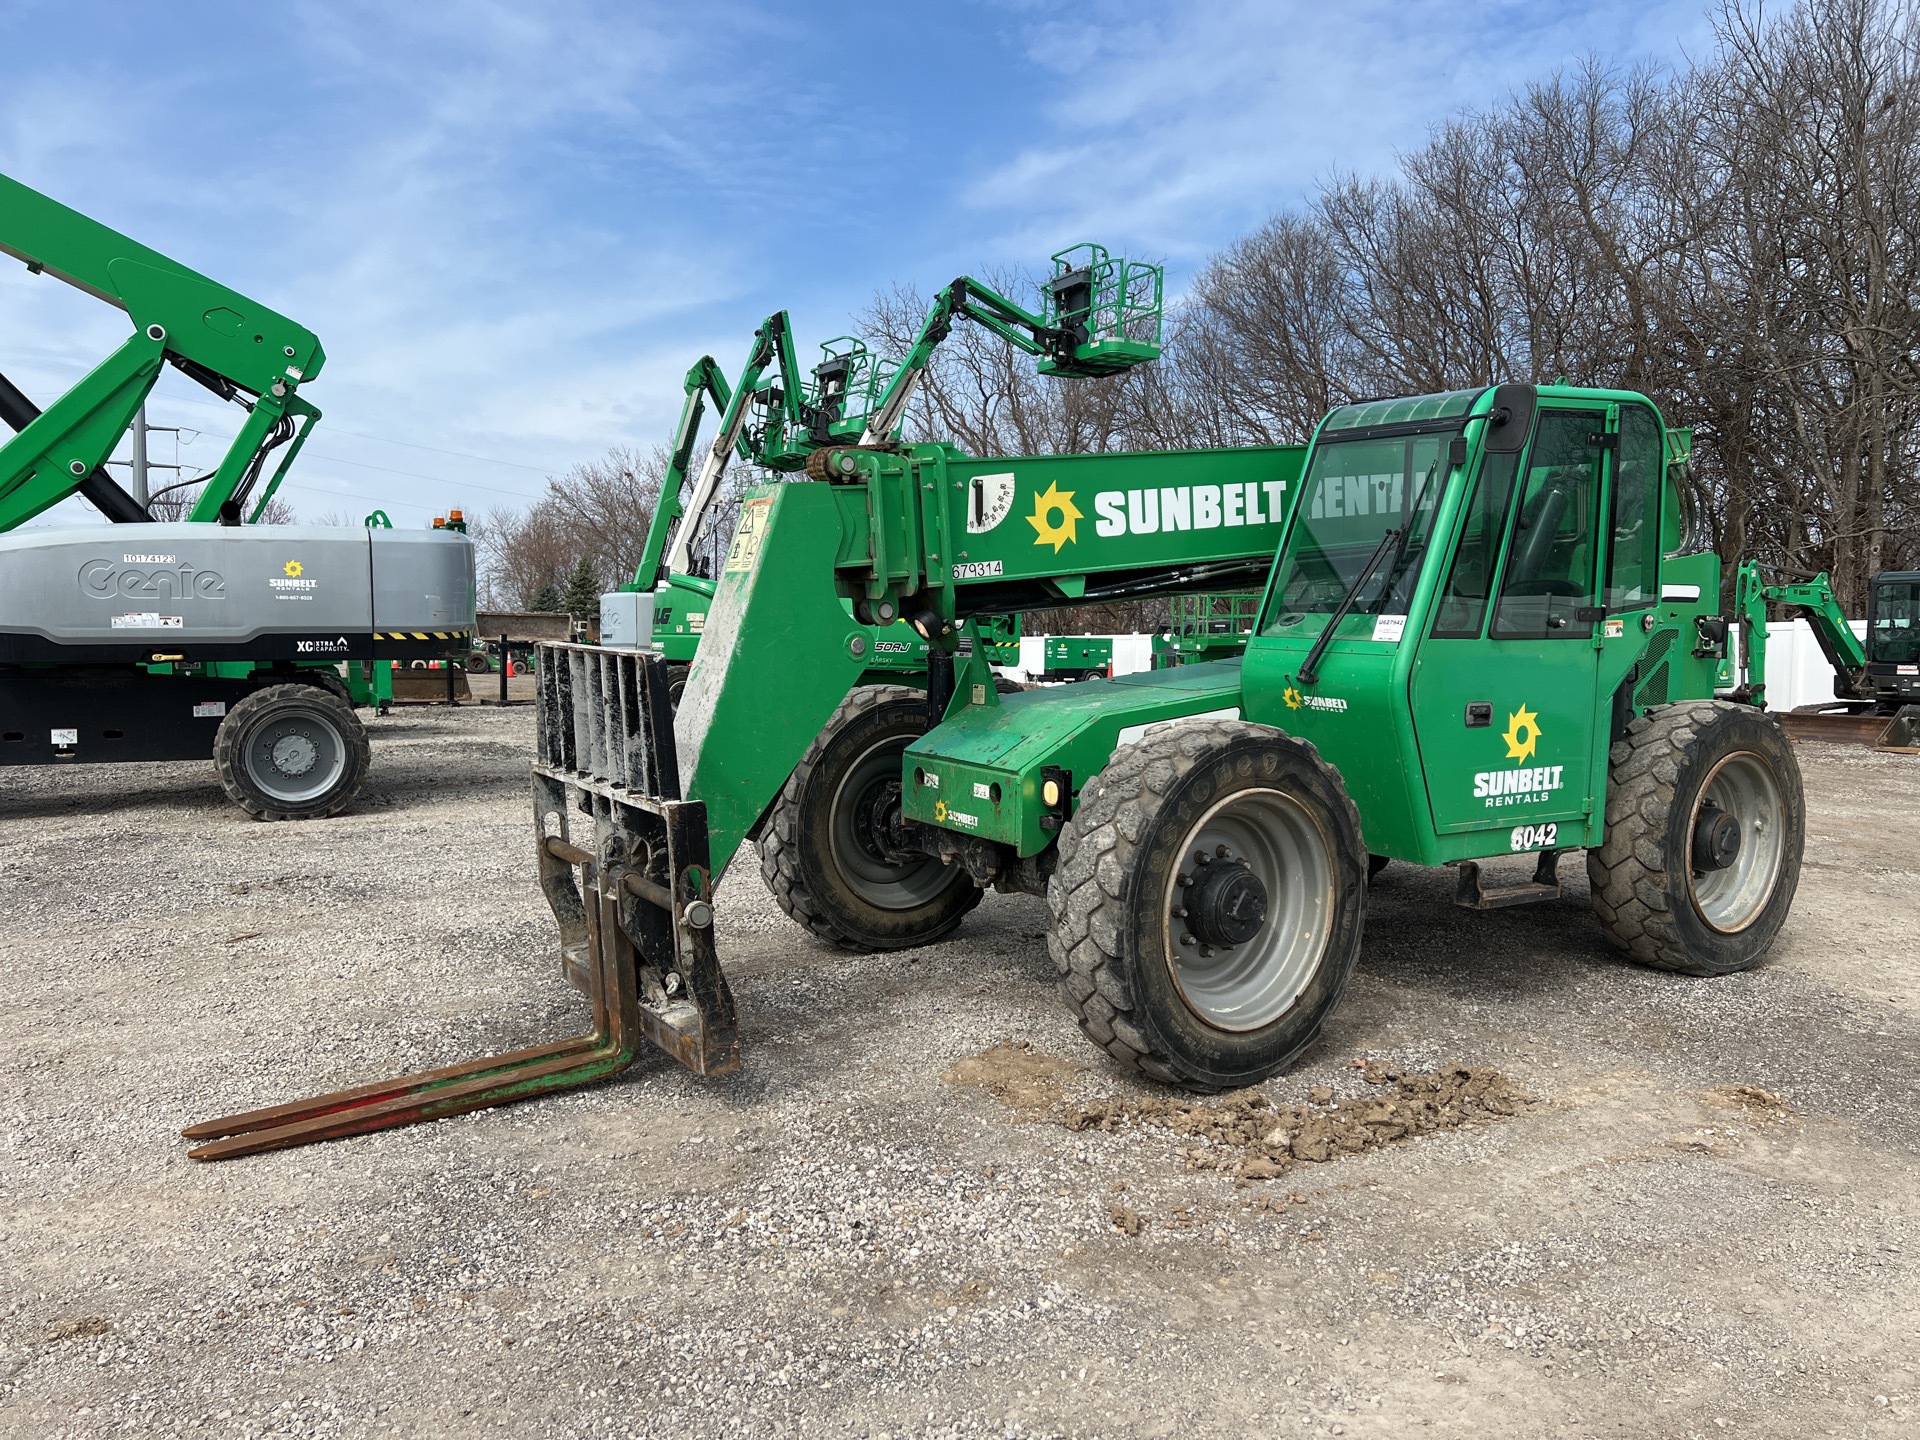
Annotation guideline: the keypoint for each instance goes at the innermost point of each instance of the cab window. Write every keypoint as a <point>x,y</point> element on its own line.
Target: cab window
<point>1549,573</point>
<point>1463,603</point>
<point>1895,639</point>
<point>1633,565</point>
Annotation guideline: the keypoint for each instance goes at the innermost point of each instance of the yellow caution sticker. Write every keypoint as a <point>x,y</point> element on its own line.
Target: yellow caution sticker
<point>745,552</point>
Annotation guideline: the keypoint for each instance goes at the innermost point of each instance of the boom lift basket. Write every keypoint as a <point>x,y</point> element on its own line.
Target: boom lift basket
<point>634,906</point>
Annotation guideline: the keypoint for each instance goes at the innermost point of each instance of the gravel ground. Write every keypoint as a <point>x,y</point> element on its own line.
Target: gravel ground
<point>1703,1225</point>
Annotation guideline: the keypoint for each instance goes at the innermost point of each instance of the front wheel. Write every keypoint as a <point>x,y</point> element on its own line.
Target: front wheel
<point>1706,822</point>
<point>828,851</point>
<point>1209,902</point>
<point>291,752</point>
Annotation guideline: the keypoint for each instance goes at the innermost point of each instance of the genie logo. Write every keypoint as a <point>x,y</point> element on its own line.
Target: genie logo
<point>170,579</point>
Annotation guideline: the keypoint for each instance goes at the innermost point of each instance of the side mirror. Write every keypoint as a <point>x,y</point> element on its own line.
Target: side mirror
<point>1511,419</point>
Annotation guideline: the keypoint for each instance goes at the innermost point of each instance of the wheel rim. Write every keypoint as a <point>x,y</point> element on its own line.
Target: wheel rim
<point>295,757</point>
<point>1743,786</point>
<point>1248,986</point>
<point>870,786</point>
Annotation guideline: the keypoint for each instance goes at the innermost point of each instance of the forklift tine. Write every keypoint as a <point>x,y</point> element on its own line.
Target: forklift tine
<point>496,1080</point>
<point>380,1090</point>
<point>500,1089</point>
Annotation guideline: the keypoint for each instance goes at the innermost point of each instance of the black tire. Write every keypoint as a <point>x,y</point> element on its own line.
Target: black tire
<point>817,853</point>
<point>291,752</point>
<point>1007,685</point>
<point>1655,898</point>
<point>676,683</point>
<point>1113,938</point>
<point>329,681</point>
<point>479,665</point>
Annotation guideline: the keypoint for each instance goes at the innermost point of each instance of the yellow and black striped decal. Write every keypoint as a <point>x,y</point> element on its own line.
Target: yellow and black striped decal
<point>420,634</point>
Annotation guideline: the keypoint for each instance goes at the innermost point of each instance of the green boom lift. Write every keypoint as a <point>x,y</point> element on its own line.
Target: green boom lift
<point>1101,314</point>
<point>144,641</point>
<point>1486,631</point>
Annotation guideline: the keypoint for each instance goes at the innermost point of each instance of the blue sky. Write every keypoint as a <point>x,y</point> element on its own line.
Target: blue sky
<point>515,226</point>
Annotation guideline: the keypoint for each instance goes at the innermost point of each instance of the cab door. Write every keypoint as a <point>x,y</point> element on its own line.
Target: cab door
<point>1504,687</point>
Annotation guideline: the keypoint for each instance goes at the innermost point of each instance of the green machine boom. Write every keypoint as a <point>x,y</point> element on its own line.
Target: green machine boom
<point>1876,683</point>
<point>1100,315</point>
<point>206,649</point>
<point>1486,631</point>
<point>236,347</point>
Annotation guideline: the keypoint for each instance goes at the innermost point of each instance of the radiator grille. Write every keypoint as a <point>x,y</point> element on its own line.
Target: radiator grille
<point>1650,676</point>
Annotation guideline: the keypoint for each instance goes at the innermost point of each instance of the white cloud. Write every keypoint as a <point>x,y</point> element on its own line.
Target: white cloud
<point>1176,127</point>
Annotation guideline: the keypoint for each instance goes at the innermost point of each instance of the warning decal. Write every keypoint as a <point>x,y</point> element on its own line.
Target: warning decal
<point>745,553</point>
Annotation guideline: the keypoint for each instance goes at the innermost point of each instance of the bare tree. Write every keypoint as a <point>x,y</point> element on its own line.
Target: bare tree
<point>598,512</point>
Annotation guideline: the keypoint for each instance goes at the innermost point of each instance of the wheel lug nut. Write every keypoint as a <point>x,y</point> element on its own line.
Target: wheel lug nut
<point>1200,857</point>
<point>1221,851</point>
<point>1186,940</point>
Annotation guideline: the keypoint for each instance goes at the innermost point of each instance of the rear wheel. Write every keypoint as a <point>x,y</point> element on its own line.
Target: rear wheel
<point>1706,822</point>
<point>1209,902</point>
<point>676,683</point>
<point>291,752</point>
<point>827,851</point>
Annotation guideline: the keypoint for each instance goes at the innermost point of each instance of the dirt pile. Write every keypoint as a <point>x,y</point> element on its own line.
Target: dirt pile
<point>1246,1134</point>
<point>1025,1079</point>
<point>1250,1137</point>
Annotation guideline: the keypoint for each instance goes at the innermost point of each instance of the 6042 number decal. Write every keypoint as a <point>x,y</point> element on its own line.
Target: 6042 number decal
<point>1534,837</point>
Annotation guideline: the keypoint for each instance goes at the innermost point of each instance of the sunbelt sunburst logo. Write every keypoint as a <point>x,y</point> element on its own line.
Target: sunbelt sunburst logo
<point>292,581</point>
<point>1526,784</point>
<point>1153,510</point>
<point>1055,518</point>
<point>1298,700</point>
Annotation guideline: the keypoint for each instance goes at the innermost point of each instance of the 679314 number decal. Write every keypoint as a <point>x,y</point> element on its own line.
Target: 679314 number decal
<point>1534,837</point>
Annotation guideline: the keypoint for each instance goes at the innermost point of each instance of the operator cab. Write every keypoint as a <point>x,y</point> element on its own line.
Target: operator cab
<point>1893,636</point>
<point>1469,580</point>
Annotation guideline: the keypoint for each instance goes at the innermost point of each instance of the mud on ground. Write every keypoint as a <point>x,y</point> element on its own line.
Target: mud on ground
<point>925,1206</point>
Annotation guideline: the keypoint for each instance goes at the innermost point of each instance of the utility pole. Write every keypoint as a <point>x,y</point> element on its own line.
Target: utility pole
<point>140,454</point>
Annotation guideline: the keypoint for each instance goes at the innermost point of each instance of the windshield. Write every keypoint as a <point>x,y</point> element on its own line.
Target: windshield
<point>1896,623</point>
<point>1356,491</point>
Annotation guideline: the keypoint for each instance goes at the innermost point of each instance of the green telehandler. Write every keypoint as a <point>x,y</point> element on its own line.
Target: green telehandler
<point>1488,630</point>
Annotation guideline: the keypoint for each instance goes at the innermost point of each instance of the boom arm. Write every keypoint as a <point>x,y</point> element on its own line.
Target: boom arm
<point>236,347</point>
<point>770,338</point>
<point>703,380</point>
<point>1099,310</point>
<point>1815,600</point>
